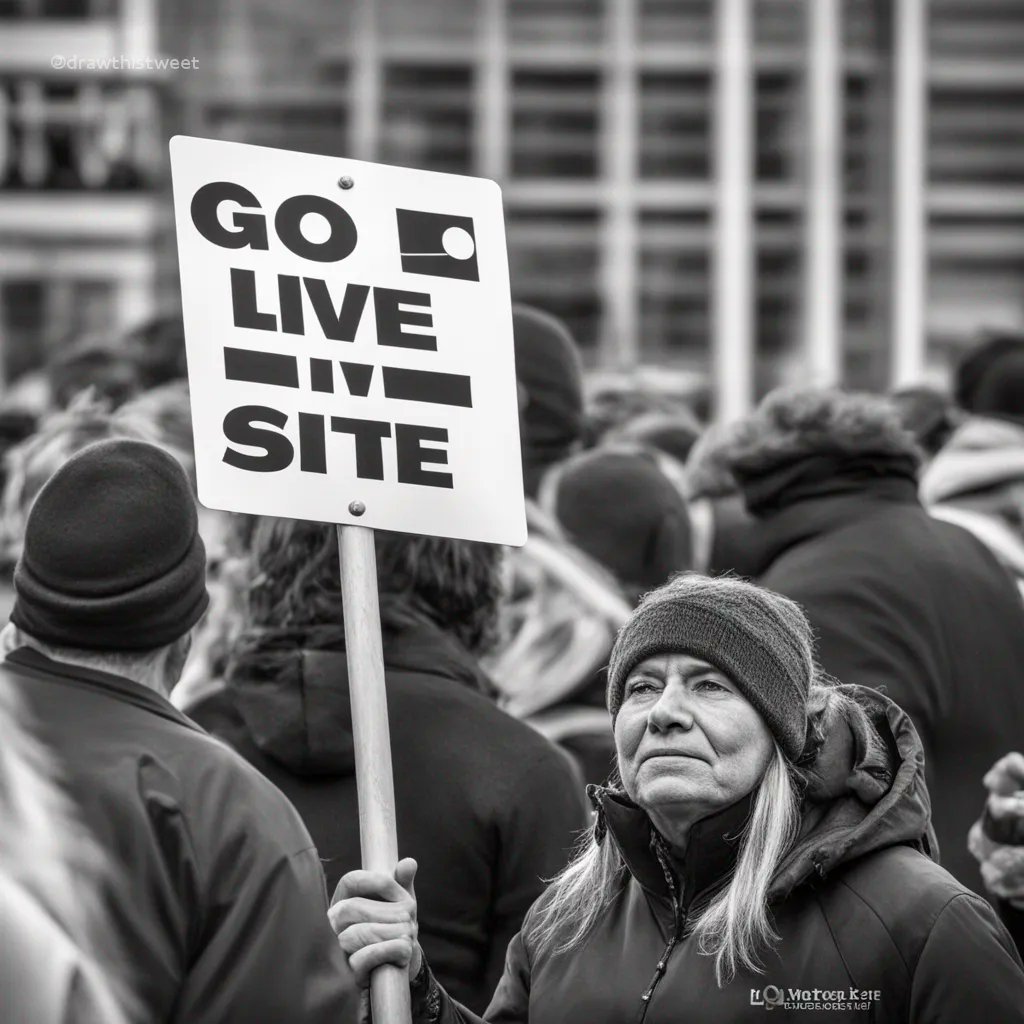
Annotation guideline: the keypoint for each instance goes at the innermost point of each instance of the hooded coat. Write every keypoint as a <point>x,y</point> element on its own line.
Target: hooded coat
<point>216,899</point>
<point>916,608</point>
<point>858,905</point>
<point>977,481</point>
<point>487,806</point>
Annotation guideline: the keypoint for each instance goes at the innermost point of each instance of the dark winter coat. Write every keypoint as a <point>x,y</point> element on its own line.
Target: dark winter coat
<point>217,893</point>
<point>486,805</point>
<point>857,904</point>
<point>920,610</point>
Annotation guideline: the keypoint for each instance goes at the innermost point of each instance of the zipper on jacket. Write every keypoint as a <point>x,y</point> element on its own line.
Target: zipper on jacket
<point>679,916</point>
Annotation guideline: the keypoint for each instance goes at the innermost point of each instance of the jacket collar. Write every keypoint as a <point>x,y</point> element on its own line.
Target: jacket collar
<point>711,847</point>
<point>29,662</point>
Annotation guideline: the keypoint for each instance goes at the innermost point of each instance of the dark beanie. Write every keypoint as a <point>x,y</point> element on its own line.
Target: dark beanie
<point>624,512</point>
<point>112,558</point>
<point>550,373</point>
<point>990,379</point>
<point>759,639</point>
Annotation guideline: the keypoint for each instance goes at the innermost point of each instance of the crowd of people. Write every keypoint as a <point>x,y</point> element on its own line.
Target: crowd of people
<point>744,714</point>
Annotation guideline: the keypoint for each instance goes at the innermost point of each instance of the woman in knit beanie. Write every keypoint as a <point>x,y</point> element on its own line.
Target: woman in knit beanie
<point>765,843</point>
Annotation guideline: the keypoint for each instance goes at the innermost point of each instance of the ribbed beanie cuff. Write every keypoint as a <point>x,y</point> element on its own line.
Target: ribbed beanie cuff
<point>770,664</point>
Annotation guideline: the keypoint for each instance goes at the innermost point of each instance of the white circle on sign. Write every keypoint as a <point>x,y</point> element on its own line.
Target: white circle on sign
<point>458,243</point>
<point>315,228</point>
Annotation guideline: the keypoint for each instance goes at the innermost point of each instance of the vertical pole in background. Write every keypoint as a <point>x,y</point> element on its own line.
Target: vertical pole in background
<point>492,87</point>
<point>909,147</point>
<point>733,284</point>
<point>365,64</point>
<point>619,169</point>
<point>823,246</point>
<point>389,986</point>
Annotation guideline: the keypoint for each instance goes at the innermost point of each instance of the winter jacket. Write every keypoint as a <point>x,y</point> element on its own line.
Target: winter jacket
<point>857,904</point>
<point>977,481</point>
<point>487,806</point>
<point>981,467</point>
<point>217,895</point>
<point>921,610</point>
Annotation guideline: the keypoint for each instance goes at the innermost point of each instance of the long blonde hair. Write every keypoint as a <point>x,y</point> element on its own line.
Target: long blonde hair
<point>736,928</point>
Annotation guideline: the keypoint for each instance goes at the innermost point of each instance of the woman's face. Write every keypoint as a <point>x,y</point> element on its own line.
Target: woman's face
<point>689,743</point>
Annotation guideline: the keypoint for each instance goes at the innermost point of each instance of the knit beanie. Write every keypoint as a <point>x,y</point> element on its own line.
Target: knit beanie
<point>112,558</point>
<point>759,639</point>
<point>550,374</point>
<point>623,511</point>
<point>990,379</point>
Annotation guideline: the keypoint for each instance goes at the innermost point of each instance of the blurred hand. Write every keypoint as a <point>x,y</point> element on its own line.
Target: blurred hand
<point>374,917</point>
<point>1004,811</point>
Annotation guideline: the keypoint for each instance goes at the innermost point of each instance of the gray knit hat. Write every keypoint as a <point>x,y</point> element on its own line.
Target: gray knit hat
<point>760,640</point>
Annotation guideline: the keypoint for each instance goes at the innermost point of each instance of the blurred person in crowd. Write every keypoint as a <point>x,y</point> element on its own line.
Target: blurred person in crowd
<point>157,346</point>
<point>16,426</point>
<point>220,896</point>
<point>726,537</point>
<point>928,414</point>
<point>770,830</point>
<point>997,841</point>
<point>490,807</point>
<point>563,608</point>
<point>615,406</point>
<point>899,601</point>
<point>95,365</point>
<point>977,480</point>
<point>673,433</point>
<point>59,958</point>
<point>31,463</point>
<point>618,504</point>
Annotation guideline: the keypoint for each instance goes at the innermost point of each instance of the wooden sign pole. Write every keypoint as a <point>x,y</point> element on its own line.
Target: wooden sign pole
<point>389,986</point>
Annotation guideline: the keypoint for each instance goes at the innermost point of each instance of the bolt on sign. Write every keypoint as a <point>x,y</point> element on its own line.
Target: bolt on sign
<point>349,338</point>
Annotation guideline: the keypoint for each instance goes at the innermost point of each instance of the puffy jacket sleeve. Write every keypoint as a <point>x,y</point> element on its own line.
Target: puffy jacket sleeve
<point>510,1005</point>
<point>969,969</point>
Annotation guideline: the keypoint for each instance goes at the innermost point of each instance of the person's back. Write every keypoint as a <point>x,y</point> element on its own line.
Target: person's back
<point>490,807</point>
<point>216,878</point>
<point>899,601</point>
<point>215,892</point>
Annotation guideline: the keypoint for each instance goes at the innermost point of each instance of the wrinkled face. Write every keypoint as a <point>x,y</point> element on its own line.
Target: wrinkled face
<point>688,743</point>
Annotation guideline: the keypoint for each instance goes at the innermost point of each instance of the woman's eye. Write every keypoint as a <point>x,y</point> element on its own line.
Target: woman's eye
<point>711,686</point>
<point>640,686</point>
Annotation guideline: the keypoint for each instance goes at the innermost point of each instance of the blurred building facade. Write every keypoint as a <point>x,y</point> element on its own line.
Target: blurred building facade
<point>596,116</point>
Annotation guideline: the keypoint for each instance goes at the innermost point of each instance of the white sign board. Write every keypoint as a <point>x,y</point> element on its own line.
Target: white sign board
<point>348,330</point>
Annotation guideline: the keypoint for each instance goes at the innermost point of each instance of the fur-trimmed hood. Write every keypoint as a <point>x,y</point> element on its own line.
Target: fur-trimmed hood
<point>793,424</point>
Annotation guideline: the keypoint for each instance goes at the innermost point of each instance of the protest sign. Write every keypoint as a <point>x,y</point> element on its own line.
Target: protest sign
<point>349,338</point>
<point>348,330</point>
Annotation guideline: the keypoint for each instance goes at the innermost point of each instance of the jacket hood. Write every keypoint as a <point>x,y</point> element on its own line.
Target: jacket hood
<point>859,797</point>
<point>291,687</point>
<point>983,453</point>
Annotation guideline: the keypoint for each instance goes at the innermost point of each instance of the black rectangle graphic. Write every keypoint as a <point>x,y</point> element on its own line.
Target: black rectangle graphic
<point>261,367</point>
<point>427,386</point>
